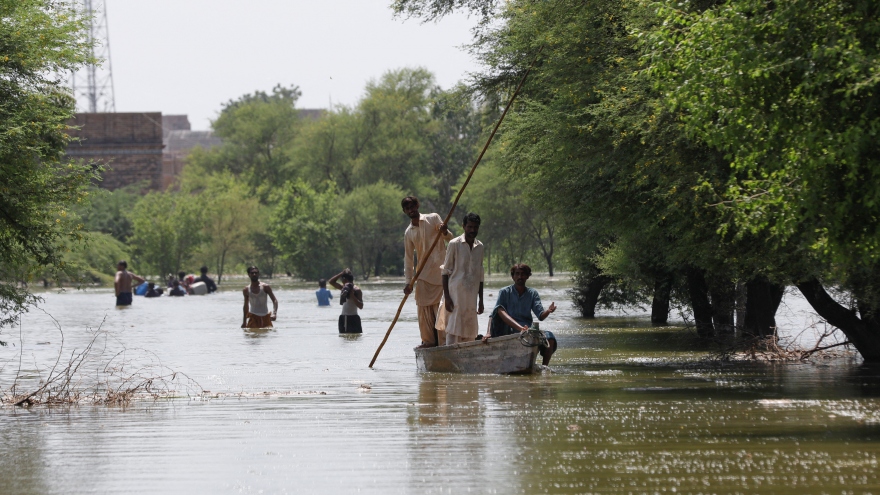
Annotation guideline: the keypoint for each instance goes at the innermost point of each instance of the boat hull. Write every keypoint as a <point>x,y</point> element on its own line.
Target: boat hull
<point>501,355</point>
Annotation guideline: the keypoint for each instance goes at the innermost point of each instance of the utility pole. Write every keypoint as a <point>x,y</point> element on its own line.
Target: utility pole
<point>93,84</point>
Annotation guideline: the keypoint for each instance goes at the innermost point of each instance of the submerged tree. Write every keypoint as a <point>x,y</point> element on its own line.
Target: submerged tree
<point>789,92</point>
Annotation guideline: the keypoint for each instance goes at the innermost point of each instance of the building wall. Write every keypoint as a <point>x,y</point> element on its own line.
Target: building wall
<point>128,145</point>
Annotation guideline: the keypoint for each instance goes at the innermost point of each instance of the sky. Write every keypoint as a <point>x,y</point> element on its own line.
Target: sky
<point>191,56</point>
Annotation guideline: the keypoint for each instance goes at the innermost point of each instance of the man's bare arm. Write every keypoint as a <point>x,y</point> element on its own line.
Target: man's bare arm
<point>246,298</point>
<point>547,311</point>
<point>359,298</point>
<point>334,278</point>
<point>506,318</point>
<point>447,299</point>
<point>480,306</point>
<point>274,301</point>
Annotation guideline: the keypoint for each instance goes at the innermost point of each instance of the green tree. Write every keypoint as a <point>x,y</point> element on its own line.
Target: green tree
<point>370,232</point>
<point>256,130</point>
<point>109,211</point>
<point>788,91</point>
<point>231,221</point>
<point>386,135</point>
<point>168,230</point>
<point>592,139</point>
<point>304,229</point>
<point>38,189</point>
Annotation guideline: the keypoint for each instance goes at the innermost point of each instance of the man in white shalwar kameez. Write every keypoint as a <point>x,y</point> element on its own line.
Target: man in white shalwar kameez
<point>417,239</point>
<point>463,283</point>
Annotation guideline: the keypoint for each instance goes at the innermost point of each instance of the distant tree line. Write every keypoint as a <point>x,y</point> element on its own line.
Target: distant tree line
<point>310,196</point>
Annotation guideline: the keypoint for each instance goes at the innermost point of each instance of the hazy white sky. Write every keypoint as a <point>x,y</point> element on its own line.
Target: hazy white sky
<point>190,56</point>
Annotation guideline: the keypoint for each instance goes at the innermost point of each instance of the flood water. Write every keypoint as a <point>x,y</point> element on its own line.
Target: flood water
<point>625,408</point>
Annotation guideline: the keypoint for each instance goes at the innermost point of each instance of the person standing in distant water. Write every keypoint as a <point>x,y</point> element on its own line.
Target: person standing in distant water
<point>256,309</point>
<point>351,300</point>
<point>417,239</point>
<point>209,282</point>
<point>323,294</point>
<point>122,284</point>
<point>463,283</point>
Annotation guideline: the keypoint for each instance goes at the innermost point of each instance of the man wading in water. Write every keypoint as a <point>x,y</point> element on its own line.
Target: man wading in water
<point>351,300</point>
<point>419,235</point>
<point>122,284</point>
<point>256,309</point>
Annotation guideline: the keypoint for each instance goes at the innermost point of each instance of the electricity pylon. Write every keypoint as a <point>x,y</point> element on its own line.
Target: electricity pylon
<point>93,84</point>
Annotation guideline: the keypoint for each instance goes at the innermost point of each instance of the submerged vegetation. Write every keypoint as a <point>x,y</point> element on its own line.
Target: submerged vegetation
<point>702,155</point>
<point>705,152</point>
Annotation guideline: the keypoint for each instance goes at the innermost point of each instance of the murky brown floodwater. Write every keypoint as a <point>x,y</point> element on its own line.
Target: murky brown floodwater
<point>627,409</point>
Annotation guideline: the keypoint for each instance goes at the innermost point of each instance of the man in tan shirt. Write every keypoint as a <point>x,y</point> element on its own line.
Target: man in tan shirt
<point>417,239</point>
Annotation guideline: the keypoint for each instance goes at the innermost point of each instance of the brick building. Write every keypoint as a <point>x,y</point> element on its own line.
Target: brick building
<point>178,145</point>
<point>128,145</point>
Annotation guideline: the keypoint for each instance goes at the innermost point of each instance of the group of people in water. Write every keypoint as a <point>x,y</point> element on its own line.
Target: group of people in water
<point>178,286</point>
<point>448,287</point>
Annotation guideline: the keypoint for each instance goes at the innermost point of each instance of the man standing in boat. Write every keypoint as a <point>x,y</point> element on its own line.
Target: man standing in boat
<point>514,308</point>
<point>256,309</point>
<point>463,283</point>
<point>417,239</point>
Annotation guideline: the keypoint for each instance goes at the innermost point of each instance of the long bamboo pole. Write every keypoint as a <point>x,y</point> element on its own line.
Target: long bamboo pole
<point>454,204</point>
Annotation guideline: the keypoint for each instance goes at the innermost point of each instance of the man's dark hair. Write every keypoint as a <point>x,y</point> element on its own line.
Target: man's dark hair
<point>123,263</point>
<point>409,200</point>
<point>251,268</point>
<point>322,283</point>
<point>521,266</point>
<point>347,275</point>
<point>471,217</point>
<point>204,270</point>
<point>181,275</point>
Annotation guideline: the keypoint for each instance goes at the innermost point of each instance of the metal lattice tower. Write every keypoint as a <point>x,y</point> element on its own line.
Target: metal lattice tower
<point>93,84</point>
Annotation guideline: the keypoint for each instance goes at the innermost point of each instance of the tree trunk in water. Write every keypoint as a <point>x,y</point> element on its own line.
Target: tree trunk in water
<point>660,302</point>
<point>550,264</point>
<point>698,291</point>
<point>221,267</point>
<point>588,296</point>
<point>723,293</point>
<point>864,332</point>
<point>762,301</point>
<point>378,266</point>
<point>740,307</point>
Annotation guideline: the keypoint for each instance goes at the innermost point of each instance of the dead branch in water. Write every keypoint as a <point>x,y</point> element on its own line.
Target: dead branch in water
<point>769,348</point>
<point>92,377</point>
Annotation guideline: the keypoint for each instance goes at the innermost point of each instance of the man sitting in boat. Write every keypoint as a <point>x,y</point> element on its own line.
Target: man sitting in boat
<point>513,311</point>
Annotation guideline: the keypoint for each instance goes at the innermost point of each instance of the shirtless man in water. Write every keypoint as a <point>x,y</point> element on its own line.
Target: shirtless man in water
<point>123,284</point>
<point>256,309</point>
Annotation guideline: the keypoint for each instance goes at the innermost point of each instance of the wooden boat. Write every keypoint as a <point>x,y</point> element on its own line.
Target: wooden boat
<point>511,354</point>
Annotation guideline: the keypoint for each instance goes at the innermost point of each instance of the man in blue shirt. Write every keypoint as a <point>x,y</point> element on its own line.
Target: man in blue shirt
<point>323,294</point>
<point>514,308</point>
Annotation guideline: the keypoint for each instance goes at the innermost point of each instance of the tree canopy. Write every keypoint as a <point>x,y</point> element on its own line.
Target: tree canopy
<point>39,39</point>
